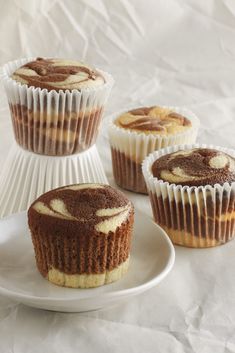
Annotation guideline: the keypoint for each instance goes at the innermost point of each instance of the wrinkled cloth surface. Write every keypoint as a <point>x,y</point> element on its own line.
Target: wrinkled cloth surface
<point>174,52</point>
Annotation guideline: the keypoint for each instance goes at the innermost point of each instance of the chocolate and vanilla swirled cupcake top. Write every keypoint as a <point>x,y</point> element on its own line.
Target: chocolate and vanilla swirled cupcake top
<point>91,207</point>
<point>195,167</point>
<point>58,74</point>
<point>153,120</point>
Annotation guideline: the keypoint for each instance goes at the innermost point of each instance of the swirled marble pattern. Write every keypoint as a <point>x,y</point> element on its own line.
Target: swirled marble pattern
<point>195,167</point>
<point>86,203</point>
<point>58,74</point>
<point>155,120</point>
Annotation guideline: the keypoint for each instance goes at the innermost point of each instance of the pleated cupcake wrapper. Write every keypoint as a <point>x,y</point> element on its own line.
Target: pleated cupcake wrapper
<point>194,212</point>
<point>77,255</point>
<point>26,175</point>
<point>127,173</point>
<point>54,123</point>
<point>132,147</point>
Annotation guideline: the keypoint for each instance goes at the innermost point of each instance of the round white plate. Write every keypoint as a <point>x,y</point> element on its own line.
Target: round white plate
<point>152,258</point>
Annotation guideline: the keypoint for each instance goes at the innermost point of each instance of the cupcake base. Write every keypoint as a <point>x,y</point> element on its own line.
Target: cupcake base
<point>128,173</point>
<point>67,255</point>
<point>187,239</point>
<point>26,175</point>
<point>187,225</point>
<point>87,280</point>
<point>60,136</point>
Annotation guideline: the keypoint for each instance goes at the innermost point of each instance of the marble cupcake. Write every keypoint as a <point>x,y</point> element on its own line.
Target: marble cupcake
<point>136,133</point>
<point>56,104</point>
<point>82,234</point>
<point>192,193</point>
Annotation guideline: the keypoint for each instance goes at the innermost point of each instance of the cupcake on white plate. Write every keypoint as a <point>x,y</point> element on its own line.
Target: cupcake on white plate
<point>136,133</point>
<point>56,105</point>
<point>82,234</point>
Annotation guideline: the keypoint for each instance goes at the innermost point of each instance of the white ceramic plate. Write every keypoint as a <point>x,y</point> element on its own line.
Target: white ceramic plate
<point>152,258</point>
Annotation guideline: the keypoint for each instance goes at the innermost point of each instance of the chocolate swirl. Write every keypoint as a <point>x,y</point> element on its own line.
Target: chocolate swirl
<point>92,206</point>
<point>58,74</point>
<point>146,123</point>
<point>153,120</point>
<point>196,167</point>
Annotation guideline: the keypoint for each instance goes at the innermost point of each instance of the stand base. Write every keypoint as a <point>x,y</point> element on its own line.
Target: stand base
<point>26,175</point>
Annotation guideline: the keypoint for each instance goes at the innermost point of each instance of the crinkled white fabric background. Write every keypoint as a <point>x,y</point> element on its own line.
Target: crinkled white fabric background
<point>175,52</point>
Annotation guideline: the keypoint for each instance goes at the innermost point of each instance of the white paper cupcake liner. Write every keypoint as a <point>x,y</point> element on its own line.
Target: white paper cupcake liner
<point>54,123</point>
<point>129,148</point>
<point>201,216</point>
<point>26,175</point>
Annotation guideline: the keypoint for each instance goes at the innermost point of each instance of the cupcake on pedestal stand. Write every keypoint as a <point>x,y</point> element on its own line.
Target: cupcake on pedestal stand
<point>56,108</point>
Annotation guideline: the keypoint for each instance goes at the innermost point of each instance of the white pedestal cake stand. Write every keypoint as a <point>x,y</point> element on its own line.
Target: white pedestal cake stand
<point>27,175</point>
